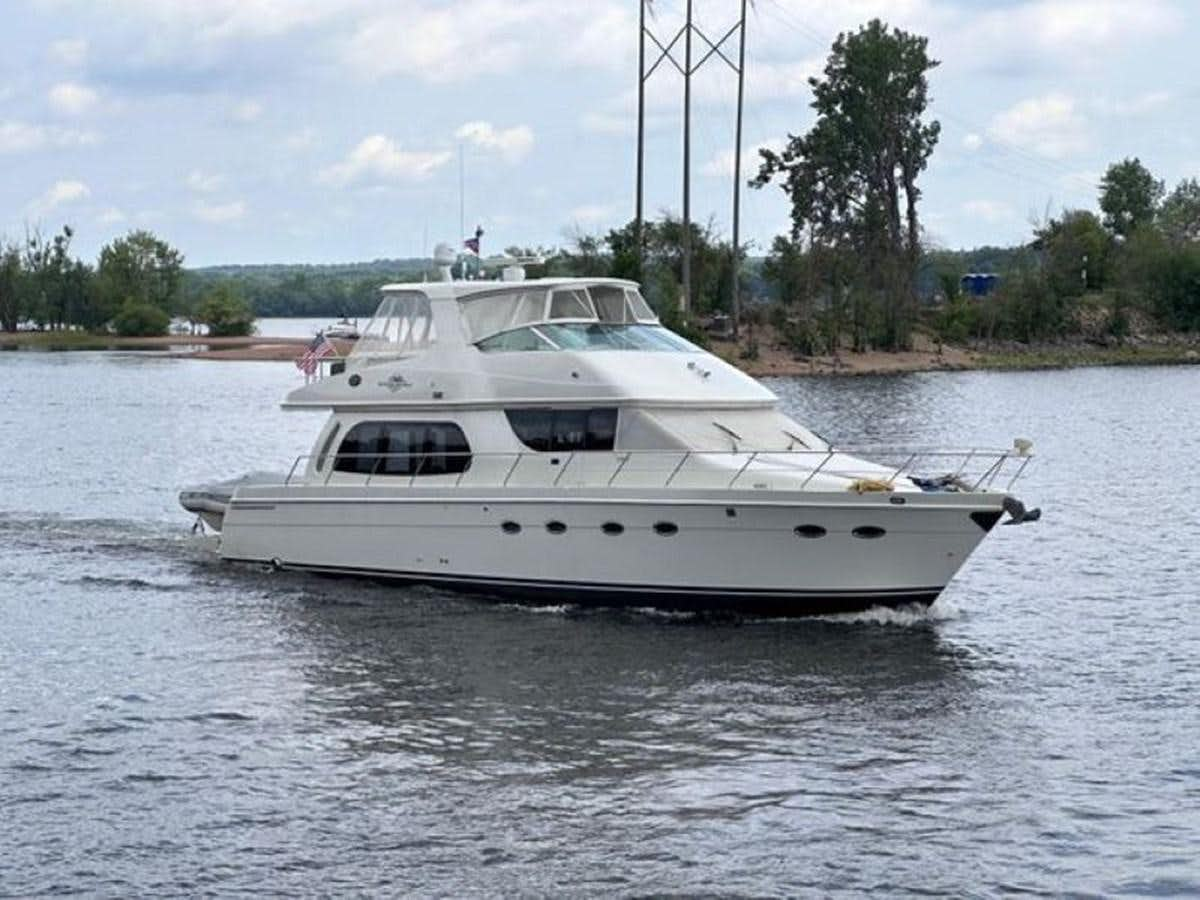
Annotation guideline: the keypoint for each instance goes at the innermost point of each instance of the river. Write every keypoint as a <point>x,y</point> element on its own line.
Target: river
<point>172,725</point>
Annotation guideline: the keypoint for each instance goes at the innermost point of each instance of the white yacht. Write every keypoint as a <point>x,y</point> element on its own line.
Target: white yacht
<point>550,440</point>
<point>343,329</point>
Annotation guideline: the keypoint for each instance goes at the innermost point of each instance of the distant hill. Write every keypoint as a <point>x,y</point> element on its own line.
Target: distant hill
<point>338,289</point>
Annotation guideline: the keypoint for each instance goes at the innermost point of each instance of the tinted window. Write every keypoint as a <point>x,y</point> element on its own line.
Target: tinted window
<point>564,429</point>
<point>404,448</point>
<point>518,339</point>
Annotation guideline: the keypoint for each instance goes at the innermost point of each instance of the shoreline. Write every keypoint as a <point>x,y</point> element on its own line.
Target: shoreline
<point>770,363</point>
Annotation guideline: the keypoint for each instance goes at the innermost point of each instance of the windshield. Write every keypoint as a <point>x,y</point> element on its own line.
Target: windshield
<point>509,309</point>
<point>583,336</point>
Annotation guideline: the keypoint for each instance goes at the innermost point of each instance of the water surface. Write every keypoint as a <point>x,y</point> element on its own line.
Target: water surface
<point>170,724</point>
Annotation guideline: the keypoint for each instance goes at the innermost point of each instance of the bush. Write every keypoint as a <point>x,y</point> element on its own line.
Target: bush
<point>226,313</point>
<point>957,320</point>
<point>1176,289</point>
<point>141,320</point>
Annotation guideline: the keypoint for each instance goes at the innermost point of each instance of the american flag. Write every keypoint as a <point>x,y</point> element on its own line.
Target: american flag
<point>314,353</point>
<point>472,243</point>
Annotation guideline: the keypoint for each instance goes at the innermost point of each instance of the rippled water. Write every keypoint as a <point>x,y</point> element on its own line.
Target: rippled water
<point>172,725</point>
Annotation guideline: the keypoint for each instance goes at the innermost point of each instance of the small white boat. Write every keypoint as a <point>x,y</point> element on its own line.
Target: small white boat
<point>343,329</point>
<point>551,440</point>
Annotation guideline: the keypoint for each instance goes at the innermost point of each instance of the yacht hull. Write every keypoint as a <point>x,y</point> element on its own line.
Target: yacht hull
<point>799,555</point>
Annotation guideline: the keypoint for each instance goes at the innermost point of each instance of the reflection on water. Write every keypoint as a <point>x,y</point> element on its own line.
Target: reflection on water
<point>171,724</point>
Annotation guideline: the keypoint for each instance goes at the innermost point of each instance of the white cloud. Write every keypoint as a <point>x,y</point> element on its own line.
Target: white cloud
<point>21,137</point>
<point>972,141</point>
<point>219,20</point>
<point>60,193</point>
<point>593,213</point>
<point>71,52</point>
<point>1051,126</point>
<point>513,144</point>
<point>1142,104</point>
<point>205,182</point>
<point>72,98</point>
<point>111,216</point>
<point>775,80</point>
<point>464,40</point>
<point>990,211</point>
<point>1050,34</point>
<point>219,213</point>
<point>378,159</point>
<point>721,165</point>
<point>246,111</point>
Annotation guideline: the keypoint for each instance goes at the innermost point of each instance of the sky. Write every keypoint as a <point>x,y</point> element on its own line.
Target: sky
<point>291,131</point>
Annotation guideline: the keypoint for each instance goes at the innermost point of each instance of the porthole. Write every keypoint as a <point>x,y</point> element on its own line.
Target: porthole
<point>666,529</point>
<point>868,532</point>
<point>556,527</point>
<point>810,531</point>
<point>613,528</point>
<point>510,528</point>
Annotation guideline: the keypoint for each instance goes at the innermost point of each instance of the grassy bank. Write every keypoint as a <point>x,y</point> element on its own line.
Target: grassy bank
<point>1072,357</point>
<point>82,340</point>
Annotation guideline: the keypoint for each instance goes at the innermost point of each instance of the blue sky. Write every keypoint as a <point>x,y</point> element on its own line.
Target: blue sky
<point>330,130</point>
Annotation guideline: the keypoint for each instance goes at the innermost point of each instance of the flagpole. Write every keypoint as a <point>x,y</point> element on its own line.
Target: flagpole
<point>462,178</point>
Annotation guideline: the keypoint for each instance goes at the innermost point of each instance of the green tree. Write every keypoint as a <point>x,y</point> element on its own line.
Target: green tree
<point>137,319</point>
<point>1075,253</point>
<point>57,286</point>
<point>225,311</point>
<point>140,268</point>
<point>852,178</point>
<point>1129,196</point>
<point>1179,214</point>
<point>587,259</point>
<point>788,268</point>
<point>11,287</point>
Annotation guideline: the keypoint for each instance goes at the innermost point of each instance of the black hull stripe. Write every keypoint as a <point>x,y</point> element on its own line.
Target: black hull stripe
<point>747,600</point>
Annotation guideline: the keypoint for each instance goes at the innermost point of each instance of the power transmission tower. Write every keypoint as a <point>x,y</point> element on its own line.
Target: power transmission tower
<point>666,50</point>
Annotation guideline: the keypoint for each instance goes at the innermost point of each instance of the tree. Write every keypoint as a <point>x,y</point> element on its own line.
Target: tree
<point>137,319</point>
<point>852,179</point>
<point>226,313</point>
<point>789,269</point>
<point>11,287</point>
<point>1075,251</point>
<point>140,268</point>
<point>1129,196</point>
<point>1179,214</point>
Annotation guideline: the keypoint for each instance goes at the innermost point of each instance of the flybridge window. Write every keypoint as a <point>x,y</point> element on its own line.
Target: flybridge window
<point>564,429</point>
<point>492,313</point>
<point>404,448</point>
<point>573,303</point>
<point>618,305</point>
<point>504,310</point>
<point>403,323</point>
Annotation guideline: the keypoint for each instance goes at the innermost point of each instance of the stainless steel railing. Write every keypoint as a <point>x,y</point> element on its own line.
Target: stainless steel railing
<point>874,468</point>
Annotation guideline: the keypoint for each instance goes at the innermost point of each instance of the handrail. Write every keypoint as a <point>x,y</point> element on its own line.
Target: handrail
<point>780,469</point>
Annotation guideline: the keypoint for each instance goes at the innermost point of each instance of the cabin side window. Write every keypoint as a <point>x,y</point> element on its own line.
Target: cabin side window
<point>404,448</point>
<point>327,445</point>
<point>564,430</point>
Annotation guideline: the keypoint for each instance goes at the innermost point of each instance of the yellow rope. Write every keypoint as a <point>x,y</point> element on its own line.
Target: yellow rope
<point>869,485</point>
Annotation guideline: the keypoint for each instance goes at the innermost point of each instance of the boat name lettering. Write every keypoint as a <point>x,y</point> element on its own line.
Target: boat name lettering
<point>396,382</point>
